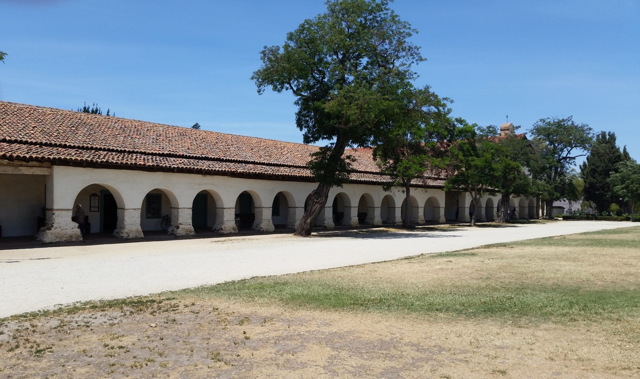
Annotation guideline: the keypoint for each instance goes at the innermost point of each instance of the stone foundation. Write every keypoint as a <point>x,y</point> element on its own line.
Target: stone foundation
<point>59,227</point>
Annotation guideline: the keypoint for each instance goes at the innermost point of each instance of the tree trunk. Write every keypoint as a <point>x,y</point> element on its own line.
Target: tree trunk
<point>318,201</point>
<point>406,220</point>
<point>473,210</point>
<point>549,206</point>
<point>320,195</point>
<point>504,215</point>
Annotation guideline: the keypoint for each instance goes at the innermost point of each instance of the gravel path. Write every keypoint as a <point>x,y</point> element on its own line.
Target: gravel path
<point>40,278</point>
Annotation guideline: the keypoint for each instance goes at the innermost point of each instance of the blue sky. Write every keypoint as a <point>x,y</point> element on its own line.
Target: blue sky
<point>188,61</point>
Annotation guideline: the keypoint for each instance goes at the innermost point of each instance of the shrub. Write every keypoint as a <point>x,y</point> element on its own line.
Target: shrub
<point>574,217</point>
<point>614,209</point>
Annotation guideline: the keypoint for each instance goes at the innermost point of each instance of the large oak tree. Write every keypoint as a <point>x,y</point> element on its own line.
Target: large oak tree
<point>409,148</point>
<point>346,68</point>
<point>558,143</point>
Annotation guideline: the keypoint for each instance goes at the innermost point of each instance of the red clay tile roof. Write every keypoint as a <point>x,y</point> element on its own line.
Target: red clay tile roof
<point>34,133</point>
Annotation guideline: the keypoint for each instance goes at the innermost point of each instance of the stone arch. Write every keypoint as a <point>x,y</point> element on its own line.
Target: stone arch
<point>489,210</point>
<point>452,206</point>
<point>207,211</point>
<point>532,208</point>
<point>413,210</point>
<point>159,204</point>
<point>341,209</point>
<point>388,210</point>
<point>246,210</point>
<point>100,203</point>
<point>432,210</point>
<point>283,210</point>
<point>366,210</point>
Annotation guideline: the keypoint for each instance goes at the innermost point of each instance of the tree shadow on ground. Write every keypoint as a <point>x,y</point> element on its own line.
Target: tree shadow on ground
<point>390,233</point>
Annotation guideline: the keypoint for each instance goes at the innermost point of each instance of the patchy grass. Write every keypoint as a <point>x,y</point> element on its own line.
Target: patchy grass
<point>558,307</point>
<point>587,277</point>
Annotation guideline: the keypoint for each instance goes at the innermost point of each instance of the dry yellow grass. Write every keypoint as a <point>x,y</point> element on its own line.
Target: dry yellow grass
<point>215,333</point>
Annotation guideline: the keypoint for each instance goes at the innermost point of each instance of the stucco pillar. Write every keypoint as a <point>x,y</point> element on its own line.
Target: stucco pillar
<point>263,221</point>
<point>181,222</point>
<point>377,218</point>
<point>421,219</point>
<point>352,214</point>
<point>464,214</point>
<point>295,215</point>
<point>59,227</point>
<point>229,221</point>
<point>328,218</point>
<point>128,224</point>
<point>442,219</point>
<point>398,214</point>
<point>463,207</point>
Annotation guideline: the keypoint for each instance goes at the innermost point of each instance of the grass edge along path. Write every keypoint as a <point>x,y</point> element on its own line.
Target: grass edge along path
<point>535,300</point>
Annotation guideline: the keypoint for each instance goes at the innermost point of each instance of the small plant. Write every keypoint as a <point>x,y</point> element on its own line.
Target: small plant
<point>216,356</point>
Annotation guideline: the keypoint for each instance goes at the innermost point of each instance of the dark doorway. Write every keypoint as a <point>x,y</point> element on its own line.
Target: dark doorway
<point>199,211</point>
<point>245,215</point>
<point>109,213</point>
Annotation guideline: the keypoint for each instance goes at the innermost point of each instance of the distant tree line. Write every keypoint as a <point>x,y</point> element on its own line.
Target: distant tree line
<point>94,109</point>
<point>611,178</point>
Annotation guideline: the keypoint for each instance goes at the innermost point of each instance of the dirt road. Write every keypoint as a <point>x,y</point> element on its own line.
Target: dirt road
<point>33,279</point>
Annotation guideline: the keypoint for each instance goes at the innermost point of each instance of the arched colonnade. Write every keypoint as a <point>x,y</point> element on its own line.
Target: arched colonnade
<point>131,203</point>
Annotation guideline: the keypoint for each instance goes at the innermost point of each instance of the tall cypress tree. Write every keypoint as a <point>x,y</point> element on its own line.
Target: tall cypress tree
<point>596,170</point>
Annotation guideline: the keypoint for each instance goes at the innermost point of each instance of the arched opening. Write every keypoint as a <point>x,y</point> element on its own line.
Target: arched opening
<point>159,211</point>
<point>388,210</point>
<point>95,209</point>
<point>282,210</point>
<point>245,211</point>
<point>412,209</point>
<point>366,210</point>
<point>452,206</point>
<point>432,210</point>
<point>532,208</point>
<point>341,209</point>
<point>205,211</point>
<point>489,208</point>
<point>513,210</point>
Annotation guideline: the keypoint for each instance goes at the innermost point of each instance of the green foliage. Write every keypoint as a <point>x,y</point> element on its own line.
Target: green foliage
<point>2,56</point>
<point>409,144</point>
<point>195,126</point>
<point>614,209</point>
<point>596,170</point>
<point>557,143</point>
<point>625,183</point>
<point>483,163</point>
<point>93,109</point>
<point>347,68</point>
